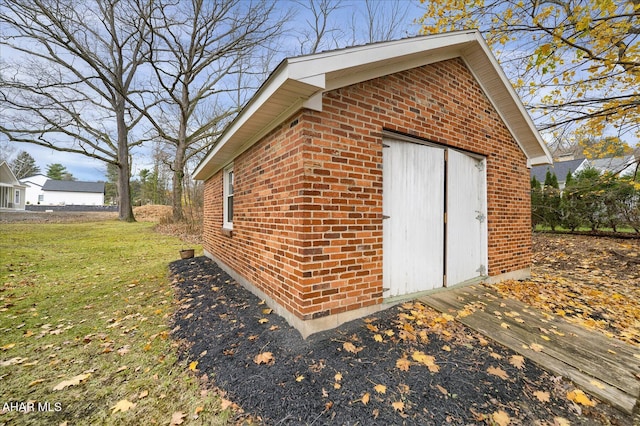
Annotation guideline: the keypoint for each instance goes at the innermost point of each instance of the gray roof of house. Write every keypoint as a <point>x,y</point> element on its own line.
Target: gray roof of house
<point>73,186</point>
<point>613,164</point>
<point>560,169</point>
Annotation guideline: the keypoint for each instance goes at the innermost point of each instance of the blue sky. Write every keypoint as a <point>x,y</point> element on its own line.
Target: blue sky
<point>349,26</point>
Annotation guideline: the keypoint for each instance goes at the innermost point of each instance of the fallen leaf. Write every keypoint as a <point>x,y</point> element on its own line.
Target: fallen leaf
<point>177,418</point>
<point>143,394</point>
<point>225,403</point>
<point>579,397</point>
<point>377,337</point>
<point>299,378</point>
<point>560,421</point>
<point>264,358</point>
<point>365,398</point>
<point>495,355</point>
<point>497,371</point>
<point>338,377</point>
<point>547,338</point>
<point>501,418</point>
<point>398,405</point>
<point>120,369</point>
<point>597,384</point>
<point>372,328</point>
<point>517,361</point>
<point>122,406</point>
<point>536,347</point>
<point>380,388</point>
<point>446,348</point>
<point>542,396</point>
<point>442,390</point>
<point>504,325</point>
<point>193,365</point>
<point>74,381</point>
<point>199,409</point>
<point>350,347</point>
<point>7,347</point>
<point>267,311</point>
<point>35,382</point>
<point>263,320</point>
<point>403,364</point>
<point>426,360</point>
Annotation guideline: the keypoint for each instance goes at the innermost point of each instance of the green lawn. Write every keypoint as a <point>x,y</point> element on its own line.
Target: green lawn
<point>85,308</point>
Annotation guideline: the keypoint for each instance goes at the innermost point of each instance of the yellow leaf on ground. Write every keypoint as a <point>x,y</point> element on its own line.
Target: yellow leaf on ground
<point>446,348</point>
<point>177,418</point>
<point>517,361</point>
<point>264,358</point>
<point>74,381</point>
<point>267,311</point>
<point>35,382</point>
<point>560,421</point>
<point>504,325</point>
<point>542,396</point>
<point>398,405</point>
<point>547,338</point>
<point>263,321</point>
<point>380,388</point>
<point>122,406</point>
<point>365,398</point>
<point>536,347</point>
<point>403,364</point>
<point>426,360</point>
<point>501,418</point>
<point>372,328</point>
<point>495,355</point>
<point>7,347</point>
<point>579,397</point>
<point>350,347</point>
<point>338,377</point>
<point>377,337</point>
<point>597,384</point>
<point>143,394</point>
<point>299,378</point>
<point>497,371</point>
<point>193,365</point>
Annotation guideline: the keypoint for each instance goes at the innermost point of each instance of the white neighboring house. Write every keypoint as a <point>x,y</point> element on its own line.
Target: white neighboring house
<point>12,192</point>
<point>622,166</point>
<point>34,186</point>
<point>71,192</point>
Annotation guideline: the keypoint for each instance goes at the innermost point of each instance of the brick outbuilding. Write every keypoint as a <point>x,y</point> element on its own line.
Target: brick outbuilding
<point>362,176</point>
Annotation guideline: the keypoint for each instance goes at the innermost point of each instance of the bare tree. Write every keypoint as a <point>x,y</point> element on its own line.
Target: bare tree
<point>72,80</point>
<point>380,21</point>
<point>313,36</point>
<point>197,47</point>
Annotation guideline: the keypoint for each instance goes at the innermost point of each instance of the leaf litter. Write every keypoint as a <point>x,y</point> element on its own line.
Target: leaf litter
<point>350,377</point>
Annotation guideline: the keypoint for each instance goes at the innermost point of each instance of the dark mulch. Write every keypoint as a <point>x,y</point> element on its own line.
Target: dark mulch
<point>219,324</point>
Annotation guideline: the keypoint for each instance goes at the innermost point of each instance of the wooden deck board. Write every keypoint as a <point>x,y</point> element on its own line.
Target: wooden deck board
<point>606,368</point>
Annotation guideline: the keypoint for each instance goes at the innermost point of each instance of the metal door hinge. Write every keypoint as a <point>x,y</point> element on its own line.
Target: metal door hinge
<point>385,217</point>
<point>480,165</point>
<point>482,270</point>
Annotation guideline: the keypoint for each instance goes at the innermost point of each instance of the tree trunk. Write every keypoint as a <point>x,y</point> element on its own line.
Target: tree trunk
<point>178,176</point>
<point>125,210</point>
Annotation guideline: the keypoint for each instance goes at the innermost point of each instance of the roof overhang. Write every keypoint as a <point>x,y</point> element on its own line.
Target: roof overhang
<point>299,83</point>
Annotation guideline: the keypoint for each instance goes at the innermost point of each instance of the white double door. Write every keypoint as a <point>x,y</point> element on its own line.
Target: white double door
<point>434,227</point>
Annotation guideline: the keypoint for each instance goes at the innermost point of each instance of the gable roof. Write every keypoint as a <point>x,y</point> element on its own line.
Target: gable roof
<point>621,165</point>
<point>300,81</point>
<point>7,178</point>
<point>560,169</point>
<point>73,186</point>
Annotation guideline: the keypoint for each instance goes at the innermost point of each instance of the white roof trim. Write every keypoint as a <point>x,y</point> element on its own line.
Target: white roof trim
<point>297,83</point>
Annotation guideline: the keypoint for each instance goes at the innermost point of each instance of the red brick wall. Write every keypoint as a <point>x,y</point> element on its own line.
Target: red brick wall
<point>308,197</point>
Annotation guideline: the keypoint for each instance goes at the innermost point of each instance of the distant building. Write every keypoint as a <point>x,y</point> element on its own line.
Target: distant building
<point>71,192</point>
<point>12,192</point>
<point>622,166</point>
<point>34,184</point>
<point>560,169</point>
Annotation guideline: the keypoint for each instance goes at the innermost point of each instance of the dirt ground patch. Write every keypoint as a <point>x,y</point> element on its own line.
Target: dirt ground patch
<point>54,216</point>
<point>405,365</point>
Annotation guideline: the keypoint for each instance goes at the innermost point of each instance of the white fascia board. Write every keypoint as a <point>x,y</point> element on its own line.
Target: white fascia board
<point>473,58</point>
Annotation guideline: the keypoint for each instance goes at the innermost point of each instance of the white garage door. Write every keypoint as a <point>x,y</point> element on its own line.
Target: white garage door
<point>416,254</point>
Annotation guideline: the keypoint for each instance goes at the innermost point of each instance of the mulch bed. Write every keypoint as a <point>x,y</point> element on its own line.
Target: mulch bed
<point>273,376</point>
